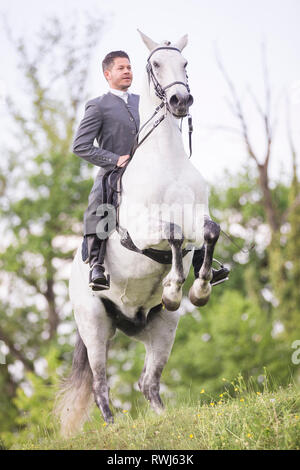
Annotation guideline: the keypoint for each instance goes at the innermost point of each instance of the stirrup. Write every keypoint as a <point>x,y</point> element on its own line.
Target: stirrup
<point>220,281</point>
<point>227,274</point>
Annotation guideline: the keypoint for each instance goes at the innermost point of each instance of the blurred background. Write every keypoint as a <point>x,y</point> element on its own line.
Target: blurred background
<point>244,74</point>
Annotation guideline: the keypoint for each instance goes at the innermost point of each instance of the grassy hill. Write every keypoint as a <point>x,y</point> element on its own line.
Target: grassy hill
<point>251,420</point>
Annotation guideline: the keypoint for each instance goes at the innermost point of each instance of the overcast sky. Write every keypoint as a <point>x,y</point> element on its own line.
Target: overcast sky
<point>238,27</point>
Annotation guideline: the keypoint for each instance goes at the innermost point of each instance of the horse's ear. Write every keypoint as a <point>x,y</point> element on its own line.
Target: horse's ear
<point>149,43</point>
<point>182,42</point>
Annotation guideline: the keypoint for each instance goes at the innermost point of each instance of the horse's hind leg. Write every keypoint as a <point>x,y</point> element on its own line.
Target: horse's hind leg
<point>96,329</point>
<point>200,291</point>
<point>158,338</point>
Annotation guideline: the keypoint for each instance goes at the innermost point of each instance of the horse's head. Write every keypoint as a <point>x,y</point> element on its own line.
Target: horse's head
<point>166,69</point>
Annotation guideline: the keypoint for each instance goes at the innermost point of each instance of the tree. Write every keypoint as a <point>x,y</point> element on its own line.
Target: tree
<point>277,213</point>
<point>45,191</point>
<point>289,290</point>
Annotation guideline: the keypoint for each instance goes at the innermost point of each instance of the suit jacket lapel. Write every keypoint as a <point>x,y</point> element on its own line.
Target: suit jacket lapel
<point>133,108</point>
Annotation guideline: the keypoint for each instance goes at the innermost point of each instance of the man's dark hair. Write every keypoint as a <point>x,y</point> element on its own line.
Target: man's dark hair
<point>109,58</point>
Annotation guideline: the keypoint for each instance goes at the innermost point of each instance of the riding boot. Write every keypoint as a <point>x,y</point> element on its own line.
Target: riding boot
<point>219,275</point>
<point>96,251</point>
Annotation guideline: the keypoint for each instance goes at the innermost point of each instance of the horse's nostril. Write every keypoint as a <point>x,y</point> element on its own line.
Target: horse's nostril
<point>190,101</point>
<point>174,101</point>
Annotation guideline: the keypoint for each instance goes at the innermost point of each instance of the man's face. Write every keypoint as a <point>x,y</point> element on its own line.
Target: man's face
<point>119,76</point>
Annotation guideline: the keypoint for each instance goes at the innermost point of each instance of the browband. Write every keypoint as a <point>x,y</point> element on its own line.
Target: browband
<point>163,47</point>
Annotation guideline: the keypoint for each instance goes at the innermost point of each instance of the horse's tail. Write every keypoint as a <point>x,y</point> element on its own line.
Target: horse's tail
<point>74,398</point>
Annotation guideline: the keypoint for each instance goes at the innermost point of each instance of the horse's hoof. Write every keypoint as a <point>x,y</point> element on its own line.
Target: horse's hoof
<point>157,408</point>
<point>169,305</point>
<point>171,298</point>
<point>199,293</point>
<point>196,301</point>
<point>109,420</point>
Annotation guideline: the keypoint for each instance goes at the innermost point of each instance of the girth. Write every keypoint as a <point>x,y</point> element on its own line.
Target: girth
<point>160,256</point>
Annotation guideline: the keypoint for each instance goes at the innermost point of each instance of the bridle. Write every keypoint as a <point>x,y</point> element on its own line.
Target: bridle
<point>161,94</point>
<point>159,90</point>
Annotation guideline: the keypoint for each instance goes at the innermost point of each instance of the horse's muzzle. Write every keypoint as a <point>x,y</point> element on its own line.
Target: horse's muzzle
<point>180,104</point>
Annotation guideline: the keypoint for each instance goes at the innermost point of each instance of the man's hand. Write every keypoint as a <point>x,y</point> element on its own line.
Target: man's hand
<point>122,160</point>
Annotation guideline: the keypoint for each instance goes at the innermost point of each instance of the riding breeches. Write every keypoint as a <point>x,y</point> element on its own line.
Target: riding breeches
<point>91,218</point>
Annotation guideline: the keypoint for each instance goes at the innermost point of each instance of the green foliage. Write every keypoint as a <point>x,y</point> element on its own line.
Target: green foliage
<point>288,265</point>
<point>44,189</point>
<point>8,410</point>
<point>34,404</point>
<point>231,335</point>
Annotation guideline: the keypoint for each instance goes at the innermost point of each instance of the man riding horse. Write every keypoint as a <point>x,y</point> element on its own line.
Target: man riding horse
<point>113,120</point>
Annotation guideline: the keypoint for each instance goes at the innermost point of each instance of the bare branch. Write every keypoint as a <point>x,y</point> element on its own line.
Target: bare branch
<point>270,208</point>
<point>267,117</point>
<point>237,109</point>
<point>256,102</point>
<point>266,80</point>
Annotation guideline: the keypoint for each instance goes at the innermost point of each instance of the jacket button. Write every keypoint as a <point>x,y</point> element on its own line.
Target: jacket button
<point>131,119</point>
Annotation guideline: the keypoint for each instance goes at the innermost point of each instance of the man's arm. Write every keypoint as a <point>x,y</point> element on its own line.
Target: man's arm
<point>83,145</point>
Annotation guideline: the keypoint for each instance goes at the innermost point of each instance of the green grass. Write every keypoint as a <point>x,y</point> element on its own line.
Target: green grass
<point>251,420</point>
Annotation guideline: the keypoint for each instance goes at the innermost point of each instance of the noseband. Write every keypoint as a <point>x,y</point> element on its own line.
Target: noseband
<point>159,90</point>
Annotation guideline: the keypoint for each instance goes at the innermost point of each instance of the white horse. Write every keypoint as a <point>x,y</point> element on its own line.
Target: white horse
<point>144,295</point>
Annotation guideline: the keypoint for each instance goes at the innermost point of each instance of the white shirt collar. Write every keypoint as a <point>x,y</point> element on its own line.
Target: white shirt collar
<point>122,94</point>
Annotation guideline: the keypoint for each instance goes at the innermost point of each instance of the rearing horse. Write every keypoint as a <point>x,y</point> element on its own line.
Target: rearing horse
<point>163,208</point>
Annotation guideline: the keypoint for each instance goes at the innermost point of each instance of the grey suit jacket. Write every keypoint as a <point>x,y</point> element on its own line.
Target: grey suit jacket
<point>113,123</point>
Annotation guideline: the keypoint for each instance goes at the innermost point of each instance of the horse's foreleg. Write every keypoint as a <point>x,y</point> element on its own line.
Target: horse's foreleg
<point>200,291</point>
<point>96,329</point>
<point>158,338</point>
<point>172,284</point>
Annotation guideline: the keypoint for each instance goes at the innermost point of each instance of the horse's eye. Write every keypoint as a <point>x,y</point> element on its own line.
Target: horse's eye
<point>156,64</point>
